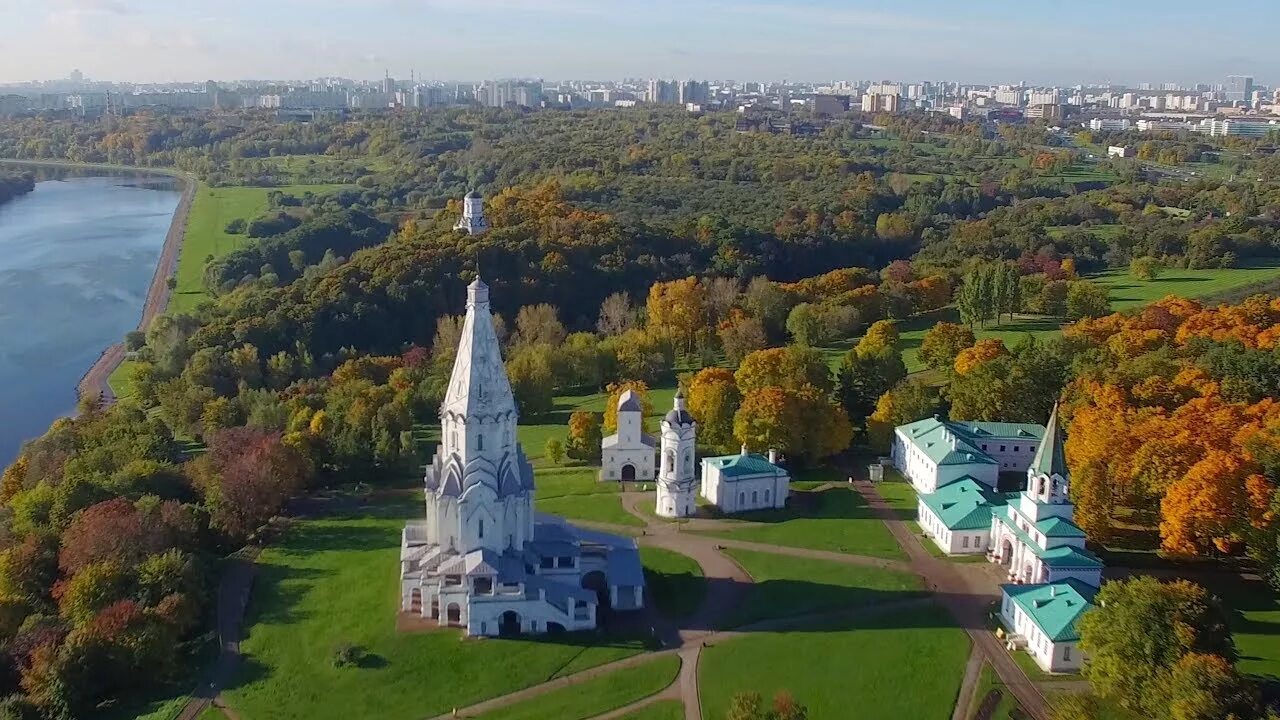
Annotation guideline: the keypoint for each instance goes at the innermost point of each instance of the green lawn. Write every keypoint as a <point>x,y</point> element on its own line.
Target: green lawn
<point>592,508</point>
<point>835,519</point>
<point>1128,292</point>
<point>121,379</point>
<point>675,581</point>
<point>661,710</point>
<point>595,696</point>
<point>334,580</point>
<point>898,494</point>
<point>989,682</point>
<point>1029,666</point>
<point>1254,616</point>
<point>786,586</point>
<point>206,234</point>
<point>899,665</point>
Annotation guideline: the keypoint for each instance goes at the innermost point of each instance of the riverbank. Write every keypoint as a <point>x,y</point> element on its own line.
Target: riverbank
<point>15,185</point>
<point>94,383</point>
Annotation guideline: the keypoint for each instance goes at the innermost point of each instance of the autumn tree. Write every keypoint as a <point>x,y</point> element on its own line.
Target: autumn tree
<point>617,315</point>
<point>676,310</point>
<point>869,370</point>
<point>538,325</point>
<point>790,368</point>
<point>1145,268</point>
<point>740,335</point>
<point>554,450</point>
<point>908,401</point>
<point>641,390</point>
<point>713,401</point>
<point>584,437</point>
<point>800,423</point>
<point>246,477</point>
<point>1086,299</point>
<point>942,343</point>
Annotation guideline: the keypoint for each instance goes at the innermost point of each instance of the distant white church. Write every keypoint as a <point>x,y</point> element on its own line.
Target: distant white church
<point>627,455</point>
<point>1052,576</point>
<point>482,560</point>
<point>472,221</point>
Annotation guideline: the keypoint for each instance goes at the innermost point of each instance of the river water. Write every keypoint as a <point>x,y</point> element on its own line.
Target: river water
<point>76,258</point>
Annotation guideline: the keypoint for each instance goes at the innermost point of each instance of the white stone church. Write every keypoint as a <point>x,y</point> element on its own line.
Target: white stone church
<point>1052,576</point>
<point>482,559</point>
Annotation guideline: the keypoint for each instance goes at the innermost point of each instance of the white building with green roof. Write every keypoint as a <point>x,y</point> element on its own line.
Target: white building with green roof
<point>1042,619</point>
<point>743,482</point>
<point>1052,575</point>
<point>932,453</point>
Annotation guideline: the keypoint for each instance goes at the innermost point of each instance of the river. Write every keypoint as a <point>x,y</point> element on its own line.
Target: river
<point>76,258</point>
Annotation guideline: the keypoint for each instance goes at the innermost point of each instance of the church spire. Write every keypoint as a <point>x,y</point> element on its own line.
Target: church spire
<point>479,383</point>
<point>1050,458</point>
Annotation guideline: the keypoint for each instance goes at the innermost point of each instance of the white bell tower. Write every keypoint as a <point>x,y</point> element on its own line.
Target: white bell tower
<point>472,221</point>
<point>676,481</point>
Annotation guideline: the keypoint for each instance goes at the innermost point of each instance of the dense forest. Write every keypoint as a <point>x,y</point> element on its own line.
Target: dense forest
<point>625,244</point>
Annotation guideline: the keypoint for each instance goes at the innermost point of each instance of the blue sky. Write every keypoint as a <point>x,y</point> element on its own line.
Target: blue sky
<point>1040,41</point>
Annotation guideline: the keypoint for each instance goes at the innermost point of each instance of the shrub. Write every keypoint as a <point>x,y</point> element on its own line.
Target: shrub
<point>347,655</point>
<point>236,227</point>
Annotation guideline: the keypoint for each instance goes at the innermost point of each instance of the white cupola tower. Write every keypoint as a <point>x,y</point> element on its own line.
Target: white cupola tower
<point>472,221</point>
<point>676,481</point>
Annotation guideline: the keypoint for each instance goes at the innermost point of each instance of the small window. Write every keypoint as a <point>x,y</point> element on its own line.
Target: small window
<point>984,448</point>
<point>481,528</point>
<point>965,541</point>
<point>1015,448</point>
<point>1001,448</point>
<point>480,442</point>
<point>755,497</point>
<point>1066,652</point>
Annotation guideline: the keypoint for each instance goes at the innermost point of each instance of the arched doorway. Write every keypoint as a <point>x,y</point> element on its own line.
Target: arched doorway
<point>435,608</point>
<point>555,628</point>
<point>1006,552</point>
<point>628,473</point>
<point>599,584</point>
<point>415,601</point>
<point>453,614</point>
<point>510,624</point>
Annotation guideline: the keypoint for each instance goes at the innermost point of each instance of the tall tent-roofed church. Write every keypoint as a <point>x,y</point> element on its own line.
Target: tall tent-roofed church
<point>482,559</point>
<point>1052,577</point>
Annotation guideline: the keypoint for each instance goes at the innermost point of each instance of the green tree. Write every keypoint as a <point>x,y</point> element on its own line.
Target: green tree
<point>1140,630</point>
<point>1145,268</point>
<point>554,450</point>
<point>808,325</point>
<point>1087,299</point>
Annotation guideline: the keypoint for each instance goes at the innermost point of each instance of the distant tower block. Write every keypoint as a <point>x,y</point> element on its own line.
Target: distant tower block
<point>676,479</point>
<point>472,221</point>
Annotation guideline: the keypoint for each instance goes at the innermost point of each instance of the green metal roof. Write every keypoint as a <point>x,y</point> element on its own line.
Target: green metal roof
<point>965,504</point>
<point>950,442</point>
<point>1059,527</point>
<point>1050,457</point>
<point>1054,607</point>
<point>732,466</point>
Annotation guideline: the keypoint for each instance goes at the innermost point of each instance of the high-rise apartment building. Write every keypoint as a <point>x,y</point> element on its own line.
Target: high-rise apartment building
<point>1239,89</point>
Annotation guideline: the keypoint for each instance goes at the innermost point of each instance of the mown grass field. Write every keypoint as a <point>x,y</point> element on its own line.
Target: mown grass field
<point>595,696</point>
<point>836,519</point>
<point>576,493</point>
<point>211,210</point>
<point>1128,292</point>
<point>905,664</point>
<point>335,580</point>
<point>675,581</point>
<point>788,586</point>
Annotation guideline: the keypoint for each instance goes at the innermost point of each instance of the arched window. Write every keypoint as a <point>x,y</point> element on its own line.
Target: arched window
<point>755,497</point>
<point>480,441</point>
<point>688,461</point>
<point>481,528</point>
<point>766,496</point>
<point>670,462</point>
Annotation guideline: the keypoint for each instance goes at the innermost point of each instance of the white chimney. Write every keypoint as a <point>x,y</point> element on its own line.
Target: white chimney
<point>773,456</point>
<point>744,448</point>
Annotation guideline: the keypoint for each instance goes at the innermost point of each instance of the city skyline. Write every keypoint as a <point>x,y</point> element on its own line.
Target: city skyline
<point>148,41</point>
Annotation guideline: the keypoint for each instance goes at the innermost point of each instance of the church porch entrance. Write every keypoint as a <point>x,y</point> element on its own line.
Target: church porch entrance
<point>628,473</point>
<point>509,625</point>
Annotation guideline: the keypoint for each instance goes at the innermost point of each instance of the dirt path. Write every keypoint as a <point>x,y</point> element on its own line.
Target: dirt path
<point>233,600</point>
<point>964,698</point>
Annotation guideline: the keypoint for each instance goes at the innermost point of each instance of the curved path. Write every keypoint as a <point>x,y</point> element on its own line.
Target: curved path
<point>727,584</point>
